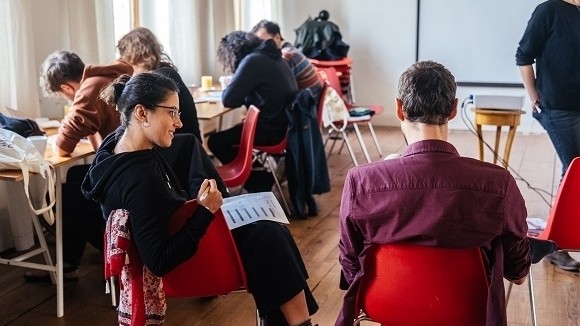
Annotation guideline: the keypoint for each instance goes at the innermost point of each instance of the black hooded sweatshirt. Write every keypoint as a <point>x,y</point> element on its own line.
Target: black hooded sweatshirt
<point>264,79</point>
<point>142,183</point>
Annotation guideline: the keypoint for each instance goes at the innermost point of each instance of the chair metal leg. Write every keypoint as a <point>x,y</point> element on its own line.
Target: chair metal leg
<point>113,287</point>
<point>532,300</point>
<point>345,137</point>
<point>330,137</point>
<point>271,166</point>
<point>362,142</point>
<point>376,140</point>
<point>508,294</point>
<point>259,320</point>
<point>361,317</point>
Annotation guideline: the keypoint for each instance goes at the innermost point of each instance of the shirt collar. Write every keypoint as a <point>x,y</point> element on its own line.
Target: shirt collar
<point>431,145</point>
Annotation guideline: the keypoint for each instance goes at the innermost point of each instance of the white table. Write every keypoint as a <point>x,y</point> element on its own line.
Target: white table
<point>81,152</point>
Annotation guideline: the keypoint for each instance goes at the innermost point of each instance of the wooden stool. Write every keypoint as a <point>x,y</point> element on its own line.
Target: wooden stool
<point>499,118</point>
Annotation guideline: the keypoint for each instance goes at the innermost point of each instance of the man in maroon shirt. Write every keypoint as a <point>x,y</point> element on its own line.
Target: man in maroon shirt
<point>431,196</point>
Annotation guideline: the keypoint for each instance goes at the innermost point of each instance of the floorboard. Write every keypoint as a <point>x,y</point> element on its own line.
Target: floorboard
<point>532,160</point>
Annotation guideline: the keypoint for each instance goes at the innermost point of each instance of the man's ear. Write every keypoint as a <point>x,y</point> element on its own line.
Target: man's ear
<point>454,110</point>
<point>68,89</point>
<point>399,111</point>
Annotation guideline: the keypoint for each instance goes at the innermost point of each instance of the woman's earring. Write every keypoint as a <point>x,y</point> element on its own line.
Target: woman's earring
<point>146,124</point>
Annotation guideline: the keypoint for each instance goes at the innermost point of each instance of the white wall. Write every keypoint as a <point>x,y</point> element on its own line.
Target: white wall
<point>381,35</point>
<point>46,17</point>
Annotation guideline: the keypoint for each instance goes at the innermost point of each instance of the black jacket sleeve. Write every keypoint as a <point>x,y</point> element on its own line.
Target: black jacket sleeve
<point>151,201</point>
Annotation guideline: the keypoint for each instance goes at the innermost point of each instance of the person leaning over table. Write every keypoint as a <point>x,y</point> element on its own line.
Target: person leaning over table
<point>143,51</point>
<point>552,41</point>
<point>129,174</point>
<point>261,78</point>
<point>304,71</point>
<point>426,196</point>
<point>64,74</point>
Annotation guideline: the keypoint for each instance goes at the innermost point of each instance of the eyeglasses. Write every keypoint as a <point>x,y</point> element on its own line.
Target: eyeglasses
<point>175,112</point>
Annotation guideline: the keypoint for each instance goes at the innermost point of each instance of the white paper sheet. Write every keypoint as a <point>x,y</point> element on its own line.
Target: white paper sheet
<point>248,208</point>
<point>536,223</point>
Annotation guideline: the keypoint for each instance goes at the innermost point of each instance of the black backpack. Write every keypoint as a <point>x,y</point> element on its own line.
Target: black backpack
<point>321,39</point>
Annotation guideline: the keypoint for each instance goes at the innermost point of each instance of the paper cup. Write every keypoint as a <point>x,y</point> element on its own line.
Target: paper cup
<point>225,81</point>
<point>39,142</point>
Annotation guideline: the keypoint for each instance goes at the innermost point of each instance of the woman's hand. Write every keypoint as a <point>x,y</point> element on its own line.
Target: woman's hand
<point>209,196</point>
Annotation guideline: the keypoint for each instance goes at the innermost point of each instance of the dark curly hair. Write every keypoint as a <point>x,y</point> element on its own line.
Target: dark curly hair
<point>234,47</point>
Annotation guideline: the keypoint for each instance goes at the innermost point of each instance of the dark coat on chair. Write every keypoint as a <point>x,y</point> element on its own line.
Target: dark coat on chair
<point>306,167</point>
<point>191,164</point>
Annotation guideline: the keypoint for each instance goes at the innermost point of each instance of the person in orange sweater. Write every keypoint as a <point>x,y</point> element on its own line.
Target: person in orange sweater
<point>63,74</point>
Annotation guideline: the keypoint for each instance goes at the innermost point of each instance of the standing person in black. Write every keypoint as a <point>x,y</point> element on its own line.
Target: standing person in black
<point>260,77</point>
<point>551,41</point>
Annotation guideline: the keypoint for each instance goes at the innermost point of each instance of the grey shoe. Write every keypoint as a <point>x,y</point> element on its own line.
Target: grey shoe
<point>563,260</point>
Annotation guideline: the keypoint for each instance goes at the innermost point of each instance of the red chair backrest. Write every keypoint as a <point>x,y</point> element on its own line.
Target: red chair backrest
<point>331,77</point>
<point>564,221</point>
<point>408,284</point>
<point>344,63</point>
<point>245,155</point>
<point>320,106</point>
<point>215,268</point>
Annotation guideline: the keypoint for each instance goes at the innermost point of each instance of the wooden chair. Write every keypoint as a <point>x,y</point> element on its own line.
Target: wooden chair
<point>407,284</point>
<point>563,223</point>
<point>237,172</point>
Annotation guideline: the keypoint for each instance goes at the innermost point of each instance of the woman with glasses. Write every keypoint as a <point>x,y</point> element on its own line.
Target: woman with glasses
<point>129,174</point>
<point>141,49</point>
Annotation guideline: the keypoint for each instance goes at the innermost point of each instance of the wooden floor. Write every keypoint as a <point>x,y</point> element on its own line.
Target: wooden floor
<point>557,292</point>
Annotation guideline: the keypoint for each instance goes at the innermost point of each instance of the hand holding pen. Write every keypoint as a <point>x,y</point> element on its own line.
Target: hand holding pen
<point>209,196</point>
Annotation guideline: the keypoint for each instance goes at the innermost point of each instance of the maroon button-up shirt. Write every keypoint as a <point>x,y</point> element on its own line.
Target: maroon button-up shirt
<point>434,197</point>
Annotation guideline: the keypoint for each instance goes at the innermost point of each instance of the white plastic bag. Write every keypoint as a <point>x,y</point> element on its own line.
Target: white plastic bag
<point>17,153</point>
<point>334,110</point>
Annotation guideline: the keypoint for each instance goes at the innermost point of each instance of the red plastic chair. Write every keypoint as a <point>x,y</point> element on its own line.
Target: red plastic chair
<point>216,267</point>
<point>265,154</point>
<point>336,129</point>
<point>333,81</point>
<point>237,172</point>
<point>409,285</point>
<point>343,68</point>
<point>563,222</point>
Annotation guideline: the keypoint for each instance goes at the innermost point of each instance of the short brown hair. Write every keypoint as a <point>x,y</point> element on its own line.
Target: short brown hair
<point>427,90</point>
<point>60,67</point>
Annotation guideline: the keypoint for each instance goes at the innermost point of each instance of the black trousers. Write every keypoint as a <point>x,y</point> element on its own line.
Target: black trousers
<point>82,219</point>
<point>274,268</point>
<point>224,144</point>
